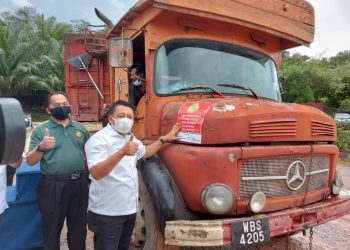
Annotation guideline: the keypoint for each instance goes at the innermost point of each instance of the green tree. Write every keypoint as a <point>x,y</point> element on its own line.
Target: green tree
<point>316,80</point>
<point>345,105</point>
<point>31,53</point>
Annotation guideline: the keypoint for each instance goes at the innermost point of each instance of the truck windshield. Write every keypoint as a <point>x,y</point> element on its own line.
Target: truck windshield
<point>184,64</point>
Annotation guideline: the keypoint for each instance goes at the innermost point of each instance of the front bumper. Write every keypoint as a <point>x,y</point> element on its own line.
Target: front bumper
<point>218,232</point>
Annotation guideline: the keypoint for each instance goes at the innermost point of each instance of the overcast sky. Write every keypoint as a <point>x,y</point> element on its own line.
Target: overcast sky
<point>332,19</point>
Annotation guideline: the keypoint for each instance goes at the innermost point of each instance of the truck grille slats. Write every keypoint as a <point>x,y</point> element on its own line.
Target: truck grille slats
<point>270,175</point>
<point>274,127</point>
<point>320,128</point>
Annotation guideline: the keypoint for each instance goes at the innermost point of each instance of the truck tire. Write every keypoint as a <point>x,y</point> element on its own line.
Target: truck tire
<point>147,234</point>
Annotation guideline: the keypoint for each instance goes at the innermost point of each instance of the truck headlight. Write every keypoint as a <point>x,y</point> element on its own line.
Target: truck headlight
<point>257,202</point>
<point>337,183</point>
<point>217,198</point>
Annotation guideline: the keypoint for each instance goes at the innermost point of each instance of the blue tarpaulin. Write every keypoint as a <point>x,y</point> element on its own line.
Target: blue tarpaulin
<point>20,225</point>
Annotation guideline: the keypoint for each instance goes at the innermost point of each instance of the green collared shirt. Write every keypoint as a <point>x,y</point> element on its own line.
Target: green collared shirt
<point>67,157</point>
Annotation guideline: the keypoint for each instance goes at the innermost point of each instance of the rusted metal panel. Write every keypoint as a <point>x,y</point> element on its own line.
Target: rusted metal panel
<point>264,121</point>
<point>247,16</point>
<point>301,3</point>
<point>300,11</point>
<point>211,164</point>
<point>293,21</point>
<point>84,99</point>
<point>120,86</point>
<point>169,25</point>
<point>273,127</point>
<point>218,232</point>
<point>136,19</point>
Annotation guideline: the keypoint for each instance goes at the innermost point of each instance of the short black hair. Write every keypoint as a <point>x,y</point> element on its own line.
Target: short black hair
<point>48,98</point>
<point>139,69</point>
<point>119,103</point>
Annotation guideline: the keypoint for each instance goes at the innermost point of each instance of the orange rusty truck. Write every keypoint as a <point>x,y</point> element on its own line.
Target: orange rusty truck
<point>247,167</point>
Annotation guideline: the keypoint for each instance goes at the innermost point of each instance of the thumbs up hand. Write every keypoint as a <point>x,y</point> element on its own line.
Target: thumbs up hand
<point>131,147</point>
<point>48,141</point>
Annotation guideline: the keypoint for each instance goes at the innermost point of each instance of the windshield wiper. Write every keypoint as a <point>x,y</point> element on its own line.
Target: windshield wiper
<point>239,86</point>
<point>198,87</point>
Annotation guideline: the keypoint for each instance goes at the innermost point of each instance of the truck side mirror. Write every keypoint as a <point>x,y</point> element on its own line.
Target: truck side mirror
<point>12,131</point>
<point>120,53</point>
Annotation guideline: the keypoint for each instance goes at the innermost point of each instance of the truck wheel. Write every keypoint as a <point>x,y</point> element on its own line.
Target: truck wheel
<point>147,234</point>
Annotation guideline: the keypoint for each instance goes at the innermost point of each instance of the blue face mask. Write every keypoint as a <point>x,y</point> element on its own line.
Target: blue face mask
<point>137,83</point>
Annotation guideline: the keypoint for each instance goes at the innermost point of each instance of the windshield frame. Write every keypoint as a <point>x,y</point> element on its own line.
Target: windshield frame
<point>208,92</point>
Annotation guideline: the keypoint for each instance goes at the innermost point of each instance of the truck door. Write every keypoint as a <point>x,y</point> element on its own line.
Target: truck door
<point>119,89</point>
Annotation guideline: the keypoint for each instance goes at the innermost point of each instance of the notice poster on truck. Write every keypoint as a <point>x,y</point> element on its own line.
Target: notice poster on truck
<point>191,117</point>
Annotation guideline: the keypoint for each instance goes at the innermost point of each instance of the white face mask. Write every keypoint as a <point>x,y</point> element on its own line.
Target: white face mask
<point>122,125</point>
<point>137,83</point>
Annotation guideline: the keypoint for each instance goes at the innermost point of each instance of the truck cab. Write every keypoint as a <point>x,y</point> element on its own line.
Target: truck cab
<point>247,166</point>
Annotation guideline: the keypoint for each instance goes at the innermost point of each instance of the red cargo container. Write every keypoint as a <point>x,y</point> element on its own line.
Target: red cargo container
<point>86,103</point>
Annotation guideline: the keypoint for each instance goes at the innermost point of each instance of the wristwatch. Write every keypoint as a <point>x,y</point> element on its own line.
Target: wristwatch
<point>161,139</point>
<point>39,149</point>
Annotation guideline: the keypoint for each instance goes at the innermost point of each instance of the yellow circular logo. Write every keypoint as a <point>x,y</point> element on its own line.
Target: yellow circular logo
<point>78,134</point>
<point>193,108</point>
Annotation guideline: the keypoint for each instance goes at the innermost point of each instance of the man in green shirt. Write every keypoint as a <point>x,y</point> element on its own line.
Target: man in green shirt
<point>63,188</point>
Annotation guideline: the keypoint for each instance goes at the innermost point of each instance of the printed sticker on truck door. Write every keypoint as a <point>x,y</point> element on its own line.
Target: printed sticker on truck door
<point>191,117</point>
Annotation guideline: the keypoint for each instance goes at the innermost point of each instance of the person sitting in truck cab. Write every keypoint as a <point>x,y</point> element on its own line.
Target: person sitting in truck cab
<point>136,85</point>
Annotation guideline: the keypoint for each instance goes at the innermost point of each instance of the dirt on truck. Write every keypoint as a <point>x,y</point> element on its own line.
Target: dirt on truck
<point>247,167</point>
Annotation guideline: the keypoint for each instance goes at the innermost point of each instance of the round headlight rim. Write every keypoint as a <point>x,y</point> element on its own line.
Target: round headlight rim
<point>337,183</point>
<point>252,198</point>
<point>205,190</point>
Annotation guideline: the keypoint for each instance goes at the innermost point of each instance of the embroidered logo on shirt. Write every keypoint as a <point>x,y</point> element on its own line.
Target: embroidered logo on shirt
<point>78,134</point>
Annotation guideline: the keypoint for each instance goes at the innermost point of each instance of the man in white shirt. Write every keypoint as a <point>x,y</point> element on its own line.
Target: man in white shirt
<point>112,154</point>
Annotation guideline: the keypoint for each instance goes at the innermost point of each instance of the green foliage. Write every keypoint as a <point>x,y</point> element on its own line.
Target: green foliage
<point>317,80</point>
<point>343,136</point>
<point>307,95</point>
<point>344,126</point>
<point>345,105</point>
<point>31,53</point>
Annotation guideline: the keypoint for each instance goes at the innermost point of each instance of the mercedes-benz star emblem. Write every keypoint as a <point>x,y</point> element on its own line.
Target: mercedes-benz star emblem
<point>296,175</point>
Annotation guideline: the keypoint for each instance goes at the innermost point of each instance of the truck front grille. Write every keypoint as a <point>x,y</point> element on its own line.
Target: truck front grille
<point>272,174</point>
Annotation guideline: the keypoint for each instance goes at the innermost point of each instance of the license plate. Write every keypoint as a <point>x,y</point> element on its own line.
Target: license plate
<point>252,232</point>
